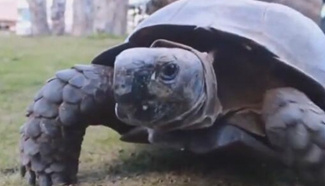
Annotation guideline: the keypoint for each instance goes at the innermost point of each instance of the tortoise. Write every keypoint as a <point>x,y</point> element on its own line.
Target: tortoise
<point>253,80</point>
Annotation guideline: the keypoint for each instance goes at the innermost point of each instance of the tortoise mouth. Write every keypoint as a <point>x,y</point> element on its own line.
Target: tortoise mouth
<point>149,113</point>
<point>164,116</point>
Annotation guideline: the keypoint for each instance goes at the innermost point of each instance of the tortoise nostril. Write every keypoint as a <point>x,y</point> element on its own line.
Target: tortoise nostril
<point>133,91</point>
<point>139,89</point>
<point>118,86</point>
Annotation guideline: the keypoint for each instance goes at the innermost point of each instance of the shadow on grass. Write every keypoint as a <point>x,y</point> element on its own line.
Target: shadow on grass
<point>8,171</point>
<point>212,167</point>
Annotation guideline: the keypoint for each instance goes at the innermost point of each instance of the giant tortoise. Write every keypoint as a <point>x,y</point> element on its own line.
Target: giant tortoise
<point>199,76</point>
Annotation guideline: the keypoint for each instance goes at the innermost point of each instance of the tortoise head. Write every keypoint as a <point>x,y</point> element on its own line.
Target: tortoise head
<point>158,87</point>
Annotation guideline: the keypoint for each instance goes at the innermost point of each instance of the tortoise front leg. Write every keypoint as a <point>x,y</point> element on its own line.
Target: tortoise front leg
<point>295,127</point>
<point>51,138</point>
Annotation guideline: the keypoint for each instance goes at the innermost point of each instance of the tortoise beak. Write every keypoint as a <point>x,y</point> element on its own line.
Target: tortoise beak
<point>131,89</point>
<point>134,103</point>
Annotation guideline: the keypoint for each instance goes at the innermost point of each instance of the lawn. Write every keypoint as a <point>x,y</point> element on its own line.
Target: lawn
<point>25,64</point>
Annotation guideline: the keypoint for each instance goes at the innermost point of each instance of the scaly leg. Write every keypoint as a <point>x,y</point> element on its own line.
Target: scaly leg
<point>51,138</point>
<point>295,127</point>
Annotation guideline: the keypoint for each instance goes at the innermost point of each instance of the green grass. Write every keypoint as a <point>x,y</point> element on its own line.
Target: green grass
<point>25,64</point>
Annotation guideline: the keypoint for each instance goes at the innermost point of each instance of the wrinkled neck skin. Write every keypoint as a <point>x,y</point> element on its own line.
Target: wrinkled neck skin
<point>207,107</point>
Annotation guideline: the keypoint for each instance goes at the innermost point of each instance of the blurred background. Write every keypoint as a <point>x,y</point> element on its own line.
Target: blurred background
<point>74,17</point>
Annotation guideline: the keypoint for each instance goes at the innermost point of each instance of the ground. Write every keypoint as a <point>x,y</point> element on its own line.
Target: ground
<point>25,64</point>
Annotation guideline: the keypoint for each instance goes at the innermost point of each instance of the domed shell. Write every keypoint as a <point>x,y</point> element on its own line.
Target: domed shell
<point>293,39</point>
<point>288,34</point>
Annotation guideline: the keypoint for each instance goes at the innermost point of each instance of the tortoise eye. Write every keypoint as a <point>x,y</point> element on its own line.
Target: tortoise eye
<point>169,71</point>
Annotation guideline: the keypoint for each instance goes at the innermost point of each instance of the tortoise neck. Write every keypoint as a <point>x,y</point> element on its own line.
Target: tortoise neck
<point>207,107</point>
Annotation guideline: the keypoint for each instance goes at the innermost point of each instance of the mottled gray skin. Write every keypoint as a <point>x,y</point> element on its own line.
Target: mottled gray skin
<point>156,88</point>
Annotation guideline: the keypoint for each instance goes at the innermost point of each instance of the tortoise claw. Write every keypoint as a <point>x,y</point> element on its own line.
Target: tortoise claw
<point>31,178</point>
<point>44,180</point>
<point>22,170</point>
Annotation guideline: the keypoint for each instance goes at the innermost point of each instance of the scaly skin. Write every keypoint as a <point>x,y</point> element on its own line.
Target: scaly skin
<point>295,127</point>
<point>76,98</point>
<point>57,120</point>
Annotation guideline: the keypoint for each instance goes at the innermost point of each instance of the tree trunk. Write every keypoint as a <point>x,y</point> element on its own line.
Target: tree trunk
<point>82,17</point>
<point>58,17</point>
<point>110,16</point>
<point>38,17</point>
